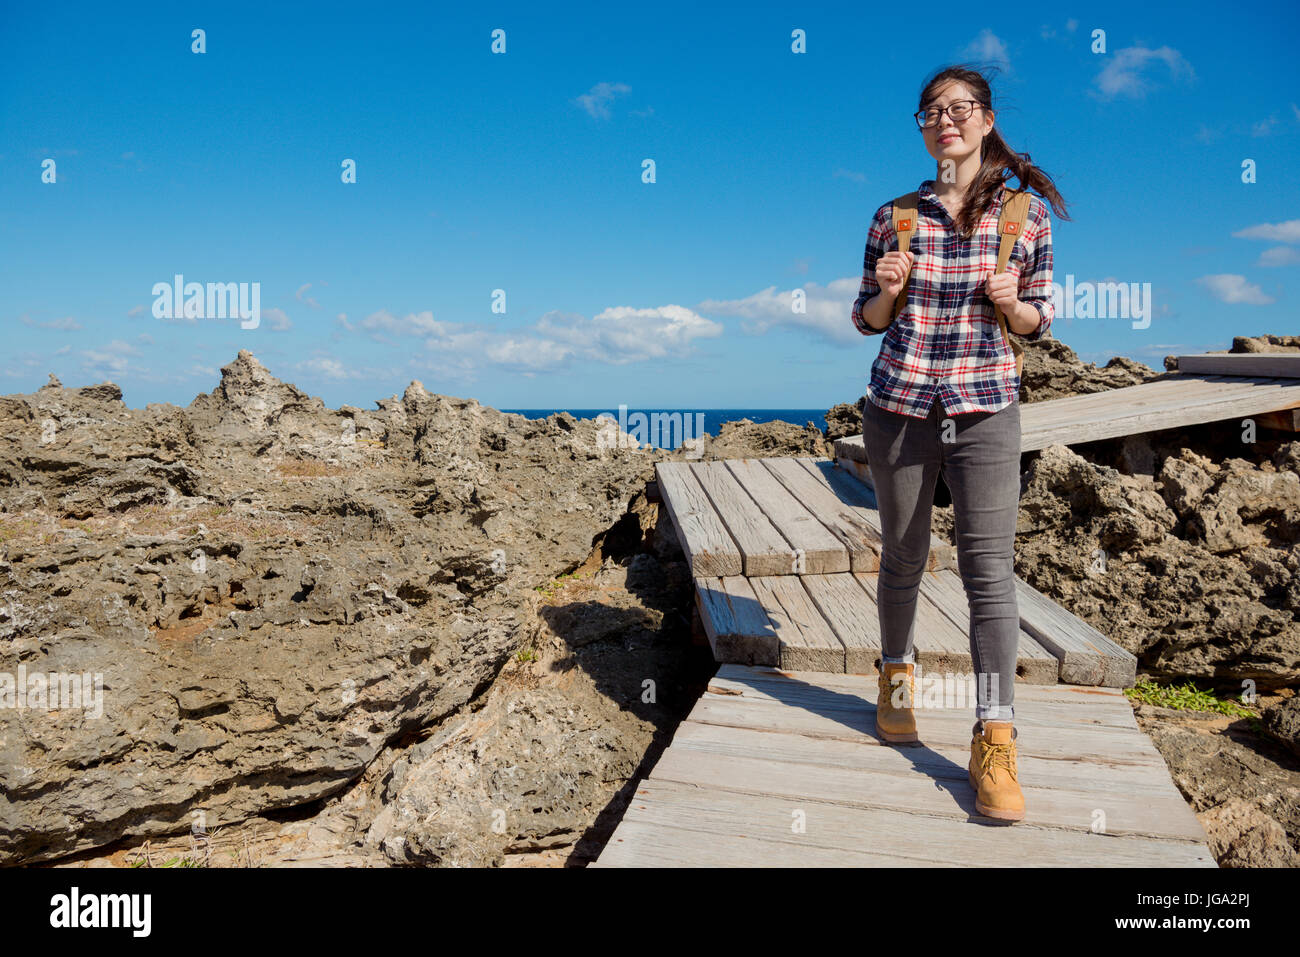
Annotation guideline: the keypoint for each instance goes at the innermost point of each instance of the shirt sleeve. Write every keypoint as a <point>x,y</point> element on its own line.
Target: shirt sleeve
<point>1035,285</point>
<point>880,239</point>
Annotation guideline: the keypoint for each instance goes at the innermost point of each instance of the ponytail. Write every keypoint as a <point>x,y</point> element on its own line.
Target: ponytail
<point>999,163</point>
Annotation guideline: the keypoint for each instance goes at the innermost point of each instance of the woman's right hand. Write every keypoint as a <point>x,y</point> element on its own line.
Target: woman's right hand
<point>891,272</point>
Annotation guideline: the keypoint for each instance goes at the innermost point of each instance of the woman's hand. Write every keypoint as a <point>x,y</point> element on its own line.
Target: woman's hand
<point>1022,317</point>
<point>1003,289</point>
<point>891,272</point>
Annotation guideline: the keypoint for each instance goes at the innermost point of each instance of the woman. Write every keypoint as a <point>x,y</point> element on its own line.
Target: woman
<point>943,399</point>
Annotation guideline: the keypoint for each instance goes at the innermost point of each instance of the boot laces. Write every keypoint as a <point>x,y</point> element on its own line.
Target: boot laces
<point>999,756</point>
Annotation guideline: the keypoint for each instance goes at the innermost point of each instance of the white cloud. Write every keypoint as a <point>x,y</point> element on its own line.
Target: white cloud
<point>1286,232</point>
<point>135,311</point>
<point>1124,72</point>
<point>277,319</point>
<point>1263,127</point>
<point>299,295</point>
<point>328,367</point>
<point>827,309</point>
<point>412,324</point>
<point>112,358</point>
<point>617,336</point>
<point>987,47</point>
<point>1279,256</point>
<point>597,100</point>
<point>841,172</point>
<point>1231,288</point>
<point>66,324</point>
<point>623,334</point>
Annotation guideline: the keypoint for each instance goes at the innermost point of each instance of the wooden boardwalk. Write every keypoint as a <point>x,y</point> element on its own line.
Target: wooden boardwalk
<point>779,765</point>
<point>784,769</point>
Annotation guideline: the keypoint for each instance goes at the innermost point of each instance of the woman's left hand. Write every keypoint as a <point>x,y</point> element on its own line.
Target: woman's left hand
<point>1003,289</point>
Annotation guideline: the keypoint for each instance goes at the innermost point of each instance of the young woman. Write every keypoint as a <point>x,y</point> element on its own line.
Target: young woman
<point>943,398</point>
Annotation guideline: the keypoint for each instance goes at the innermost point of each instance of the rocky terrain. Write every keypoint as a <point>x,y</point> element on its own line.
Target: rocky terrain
<point>434,634</point>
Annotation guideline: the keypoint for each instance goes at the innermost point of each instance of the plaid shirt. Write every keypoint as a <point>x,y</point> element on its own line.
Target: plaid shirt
<point>947,341</point>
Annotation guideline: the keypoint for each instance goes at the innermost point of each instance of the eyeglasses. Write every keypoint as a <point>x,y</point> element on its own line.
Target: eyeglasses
<point>959,110</point>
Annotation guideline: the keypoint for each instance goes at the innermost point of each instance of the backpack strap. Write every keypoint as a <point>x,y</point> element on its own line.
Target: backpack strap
<point>1011,224</point>
<point>905,228</point>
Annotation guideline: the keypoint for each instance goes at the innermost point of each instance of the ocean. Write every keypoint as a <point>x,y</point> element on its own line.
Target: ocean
<point>687,419</point>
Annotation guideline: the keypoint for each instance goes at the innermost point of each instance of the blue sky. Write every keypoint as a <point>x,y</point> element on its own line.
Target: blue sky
<point>522,172</point>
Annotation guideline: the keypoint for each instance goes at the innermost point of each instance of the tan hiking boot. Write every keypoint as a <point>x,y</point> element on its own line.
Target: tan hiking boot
<point>894,719</point>
<point>992,771</point>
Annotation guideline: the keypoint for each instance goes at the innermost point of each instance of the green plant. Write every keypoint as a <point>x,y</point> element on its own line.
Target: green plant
<point>1187,697</point>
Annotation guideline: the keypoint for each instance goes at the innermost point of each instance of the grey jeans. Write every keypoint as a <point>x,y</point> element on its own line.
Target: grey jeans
<point>978,454</point>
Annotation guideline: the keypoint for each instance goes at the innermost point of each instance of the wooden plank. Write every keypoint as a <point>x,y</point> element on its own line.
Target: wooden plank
<point>704,538</point>
<point>1090,697</point>
<point>849,489</point>
<point>851,615</point>
<point>675,823</point>
<point>933,694</point>
<point>854,526</point>
<point>944,589</point>
<point>805,640</point>
<point>1277,364</point>
<point>1172,401</point>
<point>638,843</point>
<point>949,727</point>
<point>1086,655</point>
<point>738,627</point>
<point>1286,420</point>
<point>910,792</point>
<point>1048,427</point>
<point>1123,406</point>
<point>822,552</point>
<point>763,549</point>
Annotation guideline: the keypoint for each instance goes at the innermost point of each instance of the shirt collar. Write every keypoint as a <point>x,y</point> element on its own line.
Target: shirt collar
<point>925,194</point>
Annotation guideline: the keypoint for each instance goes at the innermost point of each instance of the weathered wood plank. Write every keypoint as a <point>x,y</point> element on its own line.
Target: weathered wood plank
<point>805,639</point>
<point>1172,401</point>
<point>821,552</point>
<point>938,726</point>
<point>799,832</point>
<point>1053,425</point>
<point>1273,364</point>
<point>1086,655</point>
<point>934,693</point>
<point>763,549</point>
<point>704,538</point>
<point>855,526</point>
<point>1086,696</point>
<point>638,843</point>
<point>854,492</point>
<point>739,629</point>
<point>945,590</point>
<point>851,615</point>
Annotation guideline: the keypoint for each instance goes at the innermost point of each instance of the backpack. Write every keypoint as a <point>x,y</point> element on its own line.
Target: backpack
<point>1011,220</point>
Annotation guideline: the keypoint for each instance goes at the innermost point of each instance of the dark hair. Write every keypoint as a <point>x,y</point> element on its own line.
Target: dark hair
<point>998,161</point>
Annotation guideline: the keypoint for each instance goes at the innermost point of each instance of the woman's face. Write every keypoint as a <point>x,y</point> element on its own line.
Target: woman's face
<point>949,140</point>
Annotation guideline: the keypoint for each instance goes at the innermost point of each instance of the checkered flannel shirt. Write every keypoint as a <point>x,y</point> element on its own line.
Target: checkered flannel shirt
<point>946,342</point>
